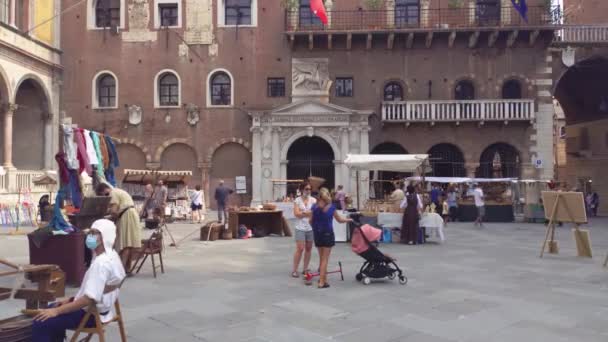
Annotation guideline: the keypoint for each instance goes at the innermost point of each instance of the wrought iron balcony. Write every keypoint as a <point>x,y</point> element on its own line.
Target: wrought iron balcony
<point>421,19</point>
<point>582,34</point>
<point>458,111</point>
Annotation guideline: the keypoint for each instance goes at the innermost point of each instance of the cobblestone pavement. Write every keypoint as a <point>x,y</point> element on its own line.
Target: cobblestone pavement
<point>480,285</point>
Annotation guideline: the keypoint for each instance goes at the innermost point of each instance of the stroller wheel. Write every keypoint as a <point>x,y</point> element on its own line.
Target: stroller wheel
<point>402,280</point>
<point>359,277</point>
<point>392,276</point>
<point>367,281</point>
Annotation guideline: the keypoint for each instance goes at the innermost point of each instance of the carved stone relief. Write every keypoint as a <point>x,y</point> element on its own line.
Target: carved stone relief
<point>193,114</point>
<point>135,114</point>
<point>199,22</point>
<point>139,21</point>
<point>310,77</point>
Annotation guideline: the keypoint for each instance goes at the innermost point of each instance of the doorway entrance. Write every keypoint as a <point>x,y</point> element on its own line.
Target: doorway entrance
<point>310,156</point>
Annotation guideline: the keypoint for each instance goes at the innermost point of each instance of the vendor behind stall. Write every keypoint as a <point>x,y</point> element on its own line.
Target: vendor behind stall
<point>100,287</point>
<point>123,212</point>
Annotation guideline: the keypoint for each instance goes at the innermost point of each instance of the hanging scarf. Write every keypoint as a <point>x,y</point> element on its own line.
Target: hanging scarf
<point>104,151</point>
<point>114,163</point>
<point>85,164</point>
<point>75,189</point>
<point>95,139</point>
<point>64,175</point>
<point>90,148</point>
<point>58,222</point>
<point>69,147</point>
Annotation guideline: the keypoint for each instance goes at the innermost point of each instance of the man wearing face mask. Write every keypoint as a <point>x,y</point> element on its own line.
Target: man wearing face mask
<point>100,287</point>
<point>123,212</point>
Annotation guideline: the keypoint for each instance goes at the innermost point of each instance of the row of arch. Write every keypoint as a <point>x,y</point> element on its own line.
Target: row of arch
<point>447,160</point>
<point>167,89</point>
<point>464,89</point>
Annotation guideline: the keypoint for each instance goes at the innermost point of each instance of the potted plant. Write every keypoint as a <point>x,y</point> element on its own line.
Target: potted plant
<point>456,14</point>
<point>374,18</point>
<point>291,11</point>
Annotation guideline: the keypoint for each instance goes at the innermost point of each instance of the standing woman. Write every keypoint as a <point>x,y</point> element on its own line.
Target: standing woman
<point>198,205</point>
<point>302,209</point>
<point>411,215</point>
<point>323,215</point>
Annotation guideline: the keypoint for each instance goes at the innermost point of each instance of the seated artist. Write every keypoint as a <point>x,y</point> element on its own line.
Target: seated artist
<point>100,286</point>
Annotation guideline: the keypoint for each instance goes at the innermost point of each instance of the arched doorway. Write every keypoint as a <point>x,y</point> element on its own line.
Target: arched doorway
<point>447,160</point>
<point>181,157</point>
<point>310,156</point>
<point>380,184</point>
<point>28,126</point>
<point>131,157</point>
<point>229,161</point>
<point>499,160</point>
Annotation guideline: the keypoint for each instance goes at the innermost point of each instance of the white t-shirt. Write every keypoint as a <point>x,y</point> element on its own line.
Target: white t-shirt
<point>104,270</point>
<point>197,197</point>
<point>303,223</point>
<point>478,195</point>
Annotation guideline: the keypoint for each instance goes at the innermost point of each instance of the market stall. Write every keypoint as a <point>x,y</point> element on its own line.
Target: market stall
<point>178,201</point>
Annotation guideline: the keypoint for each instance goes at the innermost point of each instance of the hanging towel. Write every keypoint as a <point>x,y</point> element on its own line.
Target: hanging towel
<point>114,163</point>
<point>58,222</point>
<point>95,139</point>
<point>90,148</point>
<point>81,151</point>
<point>104,151</point>
<point>69,147</point>
<point>75,189</point>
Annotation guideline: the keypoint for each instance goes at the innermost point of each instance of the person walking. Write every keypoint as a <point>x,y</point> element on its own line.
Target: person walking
<point>123,212</point>
<point>323,214</point>
<point>302,208</point>
<point>161,193</point>
<point>453,203</point>
<point>479,204</point>
<point>221,198</point>
<point>198,205</point>
<point>341,198</point>
<point>412,205</point>
<point>595,203</point>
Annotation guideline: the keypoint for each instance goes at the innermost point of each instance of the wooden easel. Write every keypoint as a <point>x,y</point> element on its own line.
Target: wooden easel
<point>581,237</point>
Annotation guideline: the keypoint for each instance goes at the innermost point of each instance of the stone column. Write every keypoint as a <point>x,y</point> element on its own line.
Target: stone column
<point>424,13</point>
<point>329,5</point>
<point>471,168</point>
<point>344,147</point>
<point>276,162</point>
<point>205,170</point>
<point>9,111</point>
<point>256,161</point>
<point>390,13</point>
<point>472,11</point>
<point>505,12</point>
<point>364,175</point>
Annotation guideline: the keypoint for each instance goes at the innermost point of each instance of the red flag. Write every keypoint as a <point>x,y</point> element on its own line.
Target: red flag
<point>317,7</point>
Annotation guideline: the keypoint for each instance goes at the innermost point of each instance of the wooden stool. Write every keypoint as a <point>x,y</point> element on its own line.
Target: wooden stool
<point>99,328</point>
<point>152,246</point>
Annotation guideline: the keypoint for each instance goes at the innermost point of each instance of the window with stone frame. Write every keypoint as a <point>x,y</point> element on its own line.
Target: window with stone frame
<point>221,89</point>
<point>464,90</point>
<point>237,12</point>
<point>276,86</point>
<point>393,91</point>
<point>407,13</point>
<point>488,12</point>
<point>107,13</point>
<point>344,87</point>
<point>106,91</point>
<point>168,90</point>
<point>169,14</point>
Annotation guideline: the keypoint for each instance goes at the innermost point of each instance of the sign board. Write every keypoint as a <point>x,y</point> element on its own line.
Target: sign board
<point>538,163</point>
<point>241,185</point>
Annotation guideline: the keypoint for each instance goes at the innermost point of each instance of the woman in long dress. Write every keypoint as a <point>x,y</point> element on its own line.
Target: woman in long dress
<point>412,205</point>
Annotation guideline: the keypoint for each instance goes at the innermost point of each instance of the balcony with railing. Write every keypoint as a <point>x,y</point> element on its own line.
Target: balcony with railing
<point>415,18</point>
<point>457,111</point>
<point>582,34</point>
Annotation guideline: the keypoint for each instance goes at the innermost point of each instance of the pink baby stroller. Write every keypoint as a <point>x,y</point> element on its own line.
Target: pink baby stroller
<point>376,265</point>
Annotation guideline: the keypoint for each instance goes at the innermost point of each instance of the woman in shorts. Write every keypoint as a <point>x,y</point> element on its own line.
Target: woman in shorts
<point>303,231</point>
<point>197,205</point>
<point>323,214</point>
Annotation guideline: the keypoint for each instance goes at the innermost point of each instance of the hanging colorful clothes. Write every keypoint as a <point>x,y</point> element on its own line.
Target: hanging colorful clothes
<point>114,162</point>
<point>58,222</point>
<point>75,189</point>
<point>64,175</point>
<point>90,148</point>
<point>104,151</point>
<point>95,139</point>
<point>81,151</point>
<point>69,147</point>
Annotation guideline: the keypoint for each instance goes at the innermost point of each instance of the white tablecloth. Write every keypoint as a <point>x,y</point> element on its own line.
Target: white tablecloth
<point>431,221</point>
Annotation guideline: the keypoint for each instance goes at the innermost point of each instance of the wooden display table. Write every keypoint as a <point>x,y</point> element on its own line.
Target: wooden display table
<point>272,220</point>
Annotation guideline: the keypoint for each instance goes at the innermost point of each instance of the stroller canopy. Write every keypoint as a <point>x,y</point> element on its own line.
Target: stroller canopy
<point>359,245</point>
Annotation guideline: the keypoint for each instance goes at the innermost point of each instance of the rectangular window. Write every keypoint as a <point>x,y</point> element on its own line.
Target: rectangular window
<point>344,87</point>
<point>5,8</point>
<point>168,14</point>
<point>276,87</point>
<point>238,12</point>
<point>107,13</point>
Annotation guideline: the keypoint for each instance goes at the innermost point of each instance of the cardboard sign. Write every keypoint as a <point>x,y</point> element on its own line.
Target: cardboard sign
<point>241,185</point>
<point>570,208</point>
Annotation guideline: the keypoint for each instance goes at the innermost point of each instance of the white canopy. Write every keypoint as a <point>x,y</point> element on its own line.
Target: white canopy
<point>462,180</point>
<point>385,162</point>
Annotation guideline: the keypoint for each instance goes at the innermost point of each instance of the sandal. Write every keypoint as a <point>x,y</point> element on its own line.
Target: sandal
<point>295,274</point>
<point>324,286</point>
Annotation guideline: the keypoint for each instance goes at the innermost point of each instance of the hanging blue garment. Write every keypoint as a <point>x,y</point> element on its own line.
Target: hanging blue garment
<point>114,162</point>
<point>69,147</point>
<point>58,222</point>
<point>75,190</point>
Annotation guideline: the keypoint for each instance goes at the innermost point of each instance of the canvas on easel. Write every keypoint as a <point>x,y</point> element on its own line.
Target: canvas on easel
<point>566,207</point>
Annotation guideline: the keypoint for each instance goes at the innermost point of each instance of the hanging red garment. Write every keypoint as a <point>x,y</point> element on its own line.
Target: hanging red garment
<point>64,175</point>
<point>81,151</point>
<point>104,151</point>
<point>317,7</point>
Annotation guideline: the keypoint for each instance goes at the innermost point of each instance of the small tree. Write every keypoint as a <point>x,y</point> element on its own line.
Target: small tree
<point>290,4</point>
<point>455,3</point>
<point>374,4</point>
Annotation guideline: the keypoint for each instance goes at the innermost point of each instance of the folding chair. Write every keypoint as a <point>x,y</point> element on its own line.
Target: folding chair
<point>152,246</point>
<point>99,328</point>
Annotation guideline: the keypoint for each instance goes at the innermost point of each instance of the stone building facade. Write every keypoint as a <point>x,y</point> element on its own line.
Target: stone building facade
<point>279,96</point>
<point>30,81</point>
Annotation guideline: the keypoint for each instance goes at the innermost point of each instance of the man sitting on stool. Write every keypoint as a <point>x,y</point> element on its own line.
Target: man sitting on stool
<point>100,286</point>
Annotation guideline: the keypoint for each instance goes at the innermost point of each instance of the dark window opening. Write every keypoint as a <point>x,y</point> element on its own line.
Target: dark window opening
<point>106,91</point>
<point>407,13</point>
<point>488,12</point>
<point>276,87</point>
<point>307,18</point>
<point>220,89</point>
<point>238,12</point>
<point>393,92</point>
<point>169,14</point>
<point>168,90</point>
<point>107,13</point>
<point>511,90</point>
<point>464,90</point>
<point>344,87</point>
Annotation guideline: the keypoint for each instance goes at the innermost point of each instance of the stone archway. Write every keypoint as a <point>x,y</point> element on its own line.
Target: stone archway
<point>447,160</point>
<point>6,99</point>
<point>130,156</point>
<point>311,156</point>
<point>31,116</point>
<point>229,161</point>
<point>499,160</point>
<point>384,186</point>
<point>181,157</point>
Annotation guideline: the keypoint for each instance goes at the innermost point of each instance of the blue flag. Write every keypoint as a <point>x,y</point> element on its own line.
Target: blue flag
<point>522,8</point>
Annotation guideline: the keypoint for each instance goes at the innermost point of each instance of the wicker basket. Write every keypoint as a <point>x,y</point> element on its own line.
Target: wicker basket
<point>215,228</point>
